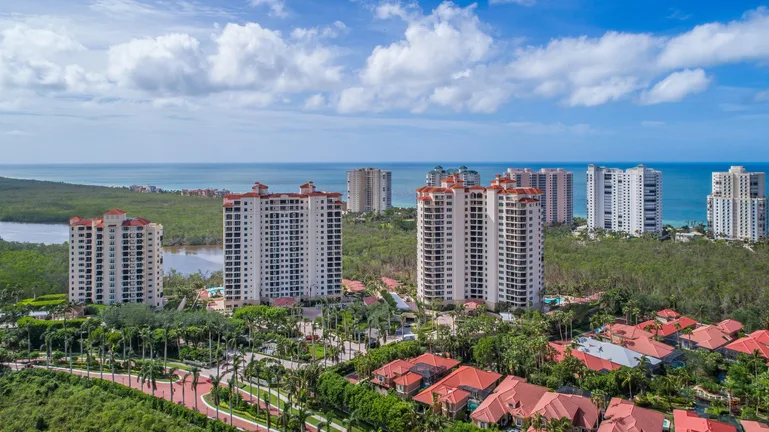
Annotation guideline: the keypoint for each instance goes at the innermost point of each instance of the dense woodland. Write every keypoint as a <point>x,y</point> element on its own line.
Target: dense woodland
<point>186,220</point>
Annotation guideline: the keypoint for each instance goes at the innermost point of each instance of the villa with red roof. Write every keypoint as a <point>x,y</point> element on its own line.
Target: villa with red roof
<point>353,286</point>
<point>712,337</point>
<point>624,416</point>
<point>451,395</point>
<point>758,340</point>
<point>688,421</point>
<point>667,315</point>
<point>590,361</point>
<point>640,341</point>
<point>669,331</point>
<point>754,426</point>
<point>408,376</point>
<point>579,409</point>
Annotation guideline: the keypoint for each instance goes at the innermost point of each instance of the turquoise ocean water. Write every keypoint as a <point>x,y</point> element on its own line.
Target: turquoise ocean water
<point>685,185</point>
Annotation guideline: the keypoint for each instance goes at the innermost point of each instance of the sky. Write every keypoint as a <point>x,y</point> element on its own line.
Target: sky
<point>366,80</point>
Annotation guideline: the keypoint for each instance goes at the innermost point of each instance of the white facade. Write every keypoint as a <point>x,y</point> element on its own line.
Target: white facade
<point>369,190</point>
<point>483,243</point>
<point>737,206</point>
<point>628,201</point>
<point>115,260</point>
<point>280,245</point>
<point>557,186</point>
<point>438,174</point>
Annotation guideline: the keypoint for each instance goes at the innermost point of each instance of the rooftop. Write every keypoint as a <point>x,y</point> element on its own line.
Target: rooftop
<point>668,328</point>
<point>590,361</point>
<point>466,377</point>
<point>624,416</point>
<point>708,336</point>
<point>688,421</point>
<point>754,426</point>
<point>513,395</point>
<point>611,352</point>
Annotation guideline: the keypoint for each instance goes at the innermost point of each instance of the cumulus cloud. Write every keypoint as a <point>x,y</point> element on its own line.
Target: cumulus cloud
<point>315,102</point>
<point>277,7</point>
<point>609,90</point>
<point>676,86</point>
<point>533,128</point>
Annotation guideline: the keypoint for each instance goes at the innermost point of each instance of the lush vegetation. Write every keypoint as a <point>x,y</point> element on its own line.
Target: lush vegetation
<point>28,269</point>
<point>186,220</point>
<point>710,280</point>
<point>36,399</point>
<point>380,245</point>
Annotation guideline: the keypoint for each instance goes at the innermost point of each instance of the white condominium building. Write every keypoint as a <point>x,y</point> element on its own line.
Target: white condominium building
<point>115,260</point>
<point>280,245</point>
<point>557,186</point>
<point>369,190</point>
<point>483,243</point>
<point>737,207</point>
<point>438,174</point>
<point>628,201</point>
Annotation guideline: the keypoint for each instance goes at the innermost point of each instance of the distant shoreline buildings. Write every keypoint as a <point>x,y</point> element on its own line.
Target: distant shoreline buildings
<point>628,201</point>
<point>480,243</point>
<point>209,193</point>
<point>737,205</point>
<point>369,190</point>
<point>115,259</point>
<point>281,245</point>
<point>469,177</point>
<point>557,186</point>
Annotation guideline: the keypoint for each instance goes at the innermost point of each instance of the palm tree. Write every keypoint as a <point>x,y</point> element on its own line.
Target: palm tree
<point>112,360</point>
<point>300,416</point>
<point>266,399</point>
<point>171,372</point>
<point>598,397</point>
<point>231,385</point>
<point>49,336</point>
<point>195,372</point>
<point>237,360</point>
<point>215,382</point>
<point>145,335</point>
<point>149,373</point>
<point>128,363</point>
<point>183,382</point>
<point>538,422</point>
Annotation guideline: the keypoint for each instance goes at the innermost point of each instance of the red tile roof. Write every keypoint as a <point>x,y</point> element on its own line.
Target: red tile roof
<point>709,337</point>
<point>687,421</point>
<point>625,331</point>
<point>393,369</point>
<point>424,198</point>
<point>284,302</point>
<point>668,313</point>
<point>115,212</point>
<point>465,376</point>
<point>368,301</point>
<point>434,360</point>
<point>624,416</point>
<point>391,283</point>
<point>579,409</point>
<point>514,396</point>
<point>590,361</point>
<point>758,340</point>
<point>761,336</point>
<point>668,328</point>
<point>408,379</point>
<point>730,326</point>
<point>353,285</point>
<point>649,347</point>
<point>754,426</point>
<point>135,222</point>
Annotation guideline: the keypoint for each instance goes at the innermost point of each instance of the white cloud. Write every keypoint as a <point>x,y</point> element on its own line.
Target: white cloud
<point>762,96</point>
<point>534,128</point>
<point>315,102</point>
<point>518,2</point>
<point>16,132</point>
<point>717,43</point>
<point>277,7</point>
<point>676,86</point>
<point>609,90</point>
<point>123,7</point>
<point>328,32</point>
<point>652,123</point>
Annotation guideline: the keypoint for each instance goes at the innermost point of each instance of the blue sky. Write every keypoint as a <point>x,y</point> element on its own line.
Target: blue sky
<point>367,80</point>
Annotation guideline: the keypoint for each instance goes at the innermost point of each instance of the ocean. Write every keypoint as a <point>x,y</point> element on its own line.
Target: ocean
<point>685,185</point>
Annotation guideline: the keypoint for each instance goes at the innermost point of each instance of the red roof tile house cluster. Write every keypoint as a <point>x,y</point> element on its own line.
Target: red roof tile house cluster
<point>712,337</point>
<point>515,400</point>
<point>408,376</point>
<point>392,284</point>
<point>451,395</point>
<point>666,326</point>
<point>623,416</point>
<point>687,421</point>
<point>758,340</point>
<point>590,361</point>
<point>640,341</point>
<point>353,286</point>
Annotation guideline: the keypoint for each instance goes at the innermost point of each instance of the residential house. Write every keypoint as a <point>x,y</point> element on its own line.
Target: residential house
<point>712,337</point>
<point>758,340</point>
<point>754,426</point>
<point>408,376</point>
<point>641,341</point>
<point>667,315</point>
<point>579,409</point>
<point>590,361</point>
<point>670,331</point>
<point>624,416</point>
<point>688,421</point>
<point>613,353</point>
<point>455,394</point>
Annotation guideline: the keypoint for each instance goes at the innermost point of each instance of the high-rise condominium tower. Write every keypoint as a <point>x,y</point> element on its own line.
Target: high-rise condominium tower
<point>483,243</point>
<point>438,174</point>
<point>628,201</point>
<point>369,190</point>
<point>737,206</point>
<point>115,260</point>
<point>282,245</point>
<point>557,186</point>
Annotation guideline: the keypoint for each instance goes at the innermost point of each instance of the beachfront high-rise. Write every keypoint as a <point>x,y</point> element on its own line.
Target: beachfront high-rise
<point>369,190</point>
<point>482,243</point>
<point>438,174</point>
<point>628,201</point>
<point>115,259</point>
<point>737,206</point>
<point>557,186</point>
<point>282,244</point>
